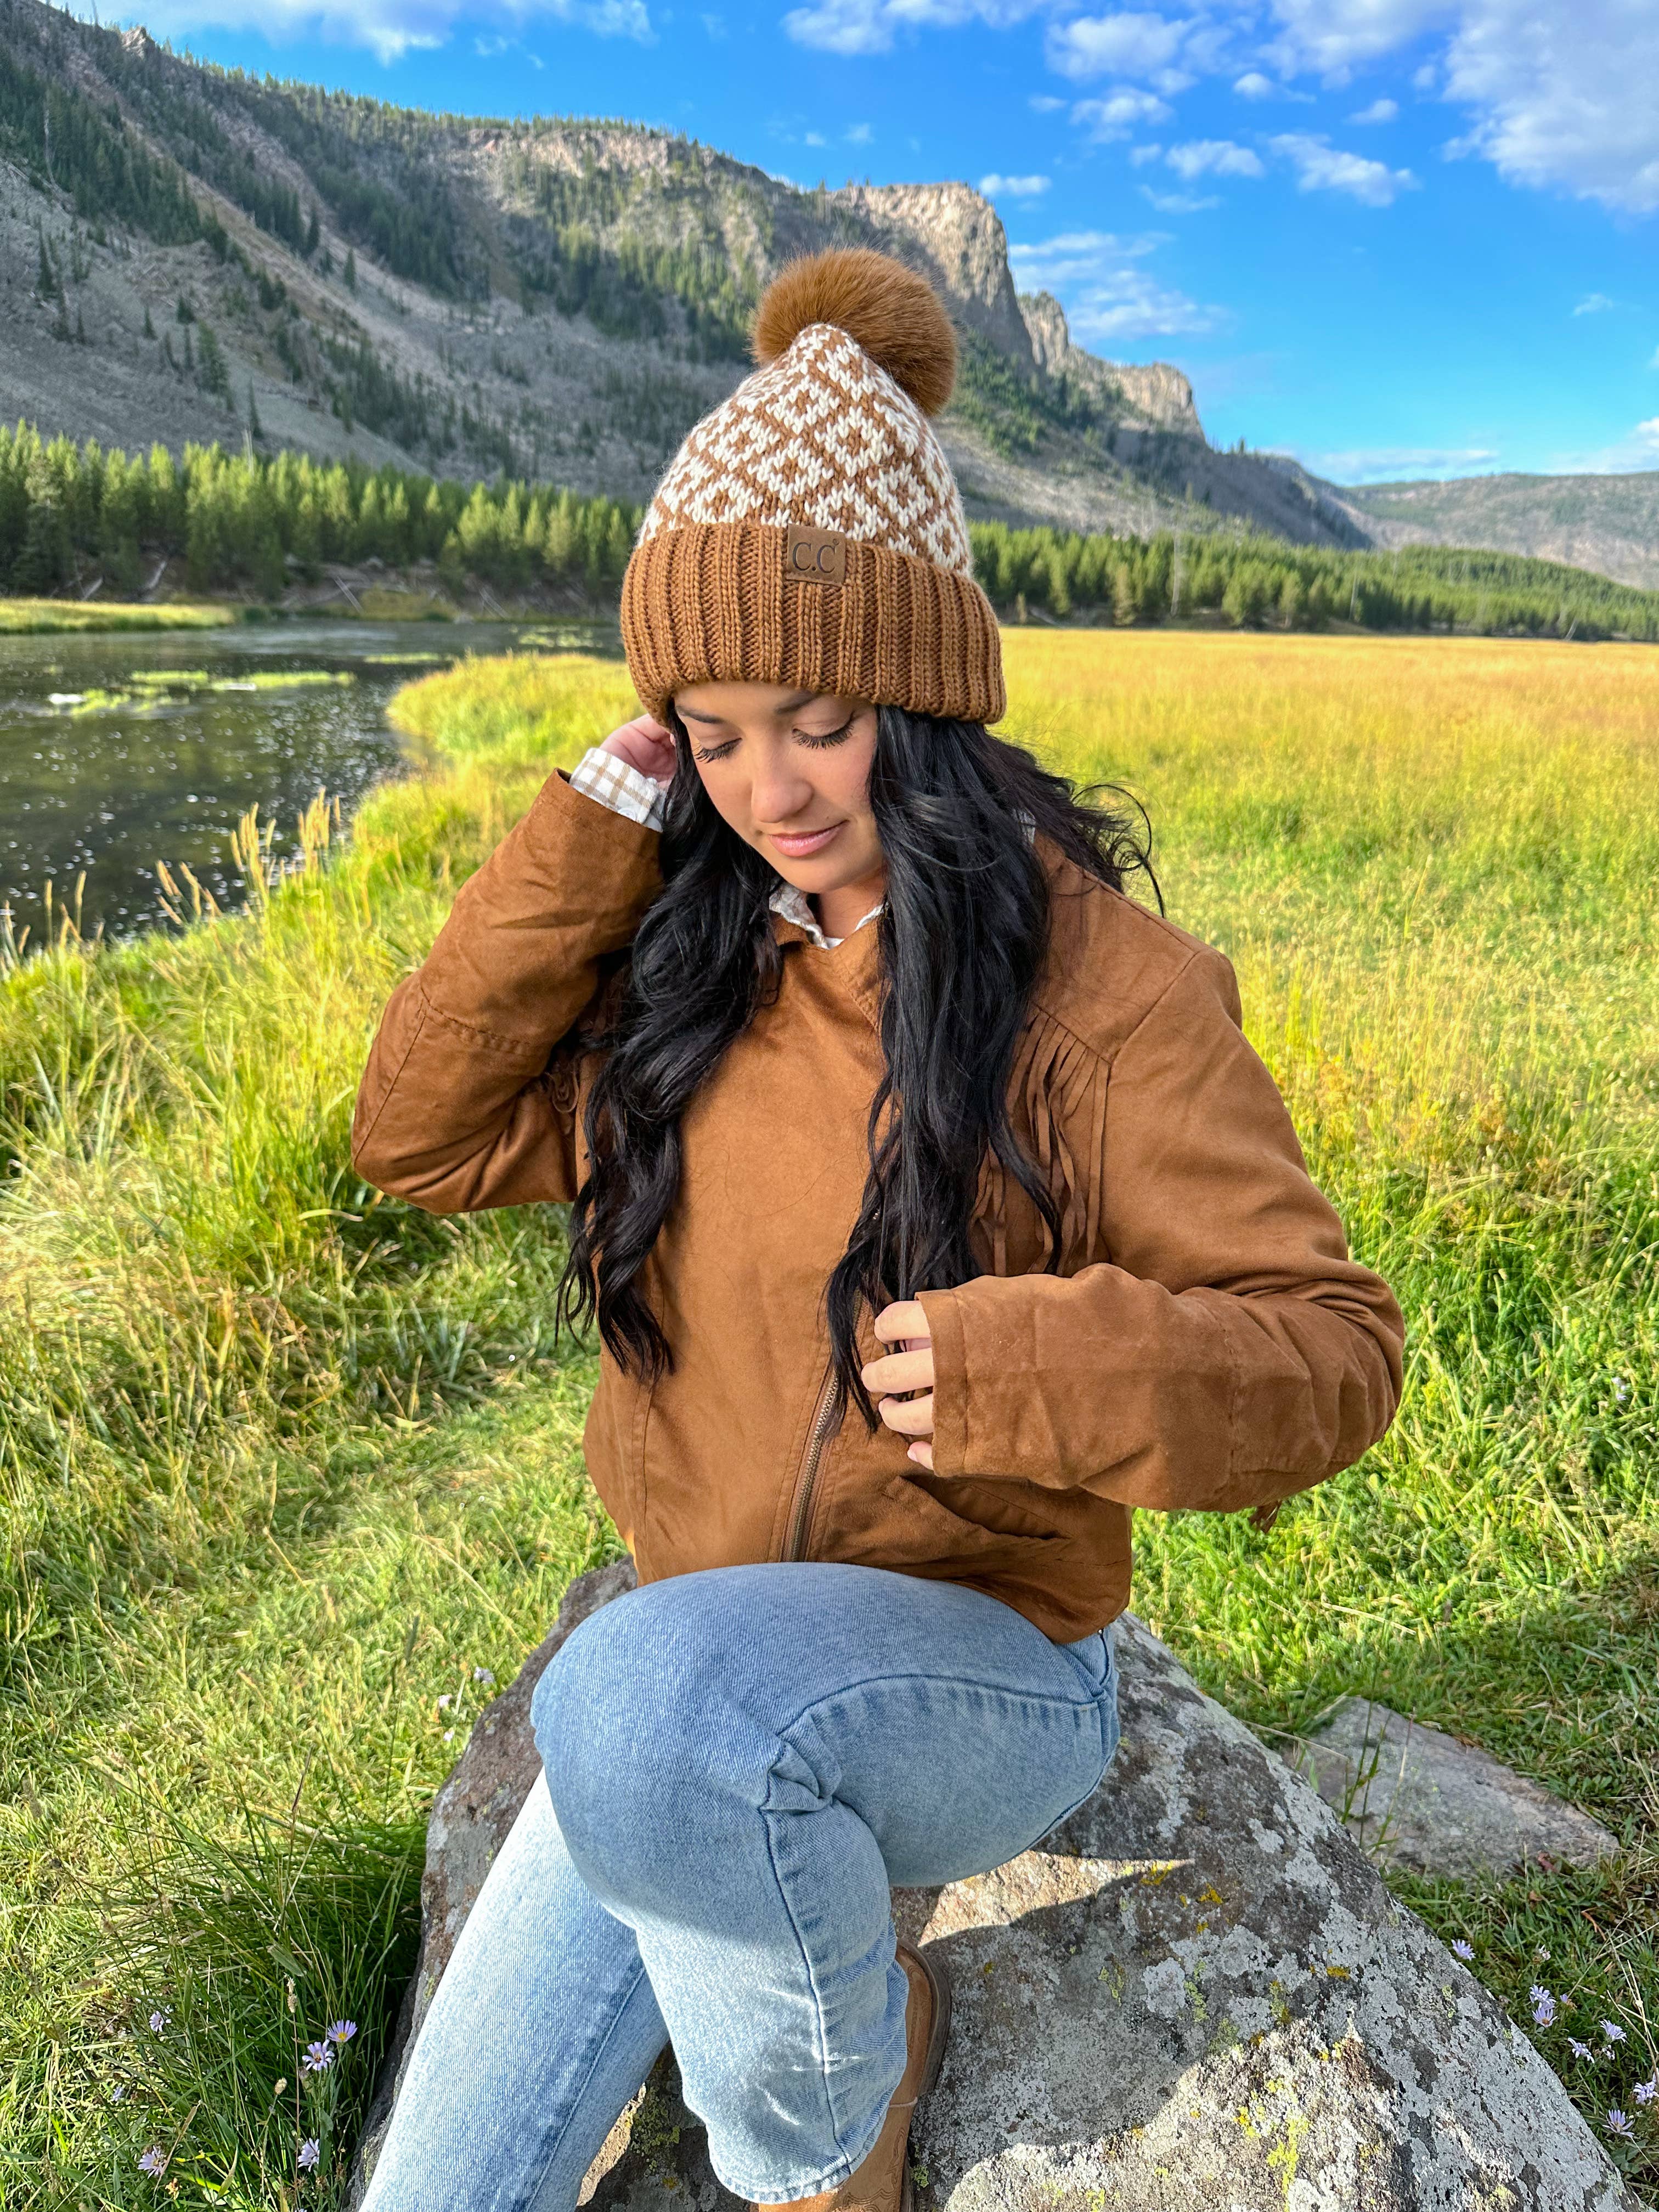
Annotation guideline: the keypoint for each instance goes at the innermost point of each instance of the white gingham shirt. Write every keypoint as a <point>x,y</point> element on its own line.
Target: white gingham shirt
<point>628,790</point>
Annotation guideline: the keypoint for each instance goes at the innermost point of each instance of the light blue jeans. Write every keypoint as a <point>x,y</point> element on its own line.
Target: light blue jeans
<point>738,1763</point>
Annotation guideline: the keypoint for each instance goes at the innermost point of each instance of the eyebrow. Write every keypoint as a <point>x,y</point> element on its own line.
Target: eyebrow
<point>789,706</point>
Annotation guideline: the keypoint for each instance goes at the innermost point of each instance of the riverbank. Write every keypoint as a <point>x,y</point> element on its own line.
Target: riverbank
<point>50,617</point>
<point>288,1471</point>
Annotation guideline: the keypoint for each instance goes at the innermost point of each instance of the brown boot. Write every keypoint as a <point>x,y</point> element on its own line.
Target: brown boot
<point>881,2182</point>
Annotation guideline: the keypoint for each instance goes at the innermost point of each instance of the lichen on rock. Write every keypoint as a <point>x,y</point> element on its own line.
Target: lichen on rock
<point>1197,1996</point>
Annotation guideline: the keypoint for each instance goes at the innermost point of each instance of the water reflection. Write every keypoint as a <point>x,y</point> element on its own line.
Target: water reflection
<point>121,754</point>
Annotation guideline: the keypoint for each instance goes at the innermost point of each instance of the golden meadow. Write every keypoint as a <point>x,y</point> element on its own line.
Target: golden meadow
<point>283,1466</point>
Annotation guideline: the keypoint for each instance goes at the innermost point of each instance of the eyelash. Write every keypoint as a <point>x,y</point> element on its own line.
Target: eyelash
<point>830,738</point>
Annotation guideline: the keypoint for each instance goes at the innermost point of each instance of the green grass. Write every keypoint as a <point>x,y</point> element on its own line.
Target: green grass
<point>281,1465</point>
<point>23,617</point>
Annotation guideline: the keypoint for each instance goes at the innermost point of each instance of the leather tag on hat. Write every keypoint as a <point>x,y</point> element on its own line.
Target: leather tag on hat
<point>816,556</point>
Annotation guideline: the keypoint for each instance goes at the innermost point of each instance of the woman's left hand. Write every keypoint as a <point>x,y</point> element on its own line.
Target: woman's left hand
<point>909,1366</point>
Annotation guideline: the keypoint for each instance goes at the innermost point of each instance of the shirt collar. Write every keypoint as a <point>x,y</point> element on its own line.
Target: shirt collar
<point>790,903</point>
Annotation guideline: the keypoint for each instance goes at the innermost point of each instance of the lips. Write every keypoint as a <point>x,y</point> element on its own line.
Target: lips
<point>802,845</point>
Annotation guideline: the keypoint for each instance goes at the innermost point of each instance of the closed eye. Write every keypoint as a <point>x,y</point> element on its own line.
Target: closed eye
<point>829,737</point>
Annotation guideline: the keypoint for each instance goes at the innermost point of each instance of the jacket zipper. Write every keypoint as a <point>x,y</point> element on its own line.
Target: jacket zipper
<point>800,1505</point>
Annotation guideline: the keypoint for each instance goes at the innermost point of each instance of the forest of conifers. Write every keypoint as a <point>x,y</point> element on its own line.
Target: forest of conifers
<point>252,522</point>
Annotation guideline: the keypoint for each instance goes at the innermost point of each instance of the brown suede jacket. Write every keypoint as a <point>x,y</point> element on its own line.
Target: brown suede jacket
<point>1206,1343</point>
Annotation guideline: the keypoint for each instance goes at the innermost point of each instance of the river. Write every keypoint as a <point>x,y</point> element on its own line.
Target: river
<point>119,752</point>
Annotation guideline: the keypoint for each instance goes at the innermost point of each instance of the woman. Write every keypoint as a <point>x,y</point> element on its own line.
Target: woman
<point>934,1212</point>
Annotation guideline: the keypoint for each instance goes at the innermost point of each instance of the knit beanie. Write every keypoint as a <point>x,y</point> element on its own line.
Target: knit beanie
<point>809,532</point>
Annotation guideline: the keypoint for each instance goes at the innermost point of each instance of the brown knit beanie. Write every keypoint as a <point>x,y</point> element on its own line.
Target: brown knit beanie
<point>809,532</point>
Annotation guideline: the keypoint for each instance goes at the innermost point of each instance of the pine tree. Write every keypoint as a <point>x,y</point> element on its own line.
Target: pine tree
<point>150,327</point>
<point>45,283</point>
<point>312,233</point>
<point>350,274</point>
<point>255,427</point>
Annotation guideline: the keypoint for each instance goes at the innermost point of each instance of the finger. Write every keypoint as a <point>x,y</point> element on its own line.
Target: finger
<point>910,1416</point>
<point>922,1452</point>
<point>899,1370</point>
<point>904,1317</point>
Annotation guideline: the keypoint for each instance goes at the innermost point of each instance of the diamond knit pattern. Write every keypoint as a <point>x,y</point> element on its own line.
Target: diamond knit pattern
<point>824,438</point>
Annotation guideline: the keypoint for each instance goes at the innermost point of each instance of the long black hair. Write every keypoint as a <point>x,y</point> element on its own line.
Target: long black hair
<point>961,938</point>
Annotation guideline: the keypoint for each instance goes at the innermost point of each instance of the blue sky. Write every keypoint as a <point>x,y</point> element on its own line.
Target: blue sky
<point>1393,237</point>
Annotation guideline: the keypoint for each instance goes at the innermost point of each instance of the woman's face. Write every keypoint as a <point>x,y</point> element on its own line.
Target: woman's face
<point>790,772</point>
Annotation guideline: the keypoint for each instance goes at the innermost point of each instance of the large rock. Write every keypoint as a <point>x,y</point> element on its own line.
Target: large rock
<point>1416,1798</point>
<point>1197,1994</point>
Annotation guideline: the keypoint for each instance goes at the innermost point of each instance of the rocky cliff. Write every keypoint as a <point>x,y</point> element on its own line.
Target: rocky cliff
<point>187,252</point>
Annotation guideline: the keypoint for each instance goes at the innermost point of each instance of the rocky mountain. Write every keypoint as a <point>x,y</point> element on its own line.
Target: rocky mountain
<point>191,253</point>
<point>1610,524</point>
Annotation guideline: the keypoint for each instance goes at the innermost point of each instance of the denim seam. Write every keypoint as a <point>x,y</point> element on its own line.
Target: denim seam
<point>832,2178</point>
<point>817,2000</point>
<point>576,2102</point>
<point>951,1681</point>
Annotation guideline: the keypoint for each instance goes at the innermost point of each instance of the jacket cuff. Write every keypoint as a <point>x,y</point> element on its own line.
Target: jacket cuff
<point>944,1326</point>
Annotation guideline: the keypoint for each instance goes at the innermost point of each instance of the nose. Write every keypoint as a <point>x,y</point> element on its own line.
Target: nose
<point>779,791</point>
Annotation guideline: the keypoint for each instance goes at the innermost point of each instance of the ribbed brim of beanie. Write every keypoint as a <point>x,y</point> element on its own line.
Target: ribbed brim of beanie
<point>810,532</point>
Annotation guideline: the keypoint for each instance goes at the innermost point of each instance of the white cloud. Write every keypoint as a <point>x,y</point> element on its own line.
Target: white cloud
<point>814,139</point>
<point>391,29</point>
<point>1016,188</point>
<point>870,27</point>
<point>1593,303</point>
<point>1139,155</point>
<point>1120,114</point>
<point>1213,157</point>
<point>860,134</point>
<point>1044,103</point>
<point>1380,110</point>
<point>1389,464</point>
<point>1322,168</point>
<point>1180,202</point>
<point>1334,37</point>
<point>1565,92</point>
<point>1561,94</point>
<point>1253,86</point>
<point>1129,45</point>
<point>1109,295</point>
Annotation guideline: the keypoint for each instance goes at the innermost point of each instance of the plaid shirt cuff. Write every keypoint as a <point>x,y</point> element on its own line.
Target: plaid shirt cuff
<point>619,785</point>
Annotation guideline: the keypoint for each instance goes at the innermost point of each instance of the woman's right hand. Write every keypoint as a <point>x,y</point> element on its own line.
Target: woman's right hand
<point>646,745</point>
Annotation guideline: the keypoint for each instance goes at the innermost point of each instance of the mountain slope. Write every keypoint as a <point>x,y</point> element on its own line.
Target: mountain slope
<point>1610,524</point>
<point>188,252</point>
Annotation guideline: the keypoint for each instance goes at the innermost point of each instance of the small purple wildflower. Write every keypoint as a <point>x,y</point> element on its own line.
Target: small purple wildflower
<point>311,2154</point>
<point>481,1674</point>
<point>1611,2032</point>
<point>159,2019</point>
<point>449,1735</point>
<point>318,2057</point>
<point>342,2031</point>
<point>118,2093</point>
<point>153,2160</point>
<point>1543,2006</point>
<point>445,1702</point>
<point>1617,2125</point>
<point>1463,1950</point>
<point>1541,1954</point>
<point>1645,2092</point>
<point>1579,2050</point>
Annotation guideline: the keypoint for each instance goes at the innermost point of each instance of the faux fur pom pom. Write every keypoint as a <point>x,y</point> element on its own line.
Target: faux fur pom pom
<point>892,312</point>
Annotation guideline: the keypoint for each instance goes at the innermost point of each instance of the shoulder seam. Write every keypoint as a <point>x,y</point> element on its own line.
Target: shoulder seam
<point>1041,1006</point>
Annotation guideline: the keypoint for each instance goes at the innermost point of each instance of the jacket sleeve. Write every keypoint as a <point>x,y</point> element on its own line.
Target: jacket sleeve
<point>1231,1353</point>
<point>456,1110</point>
